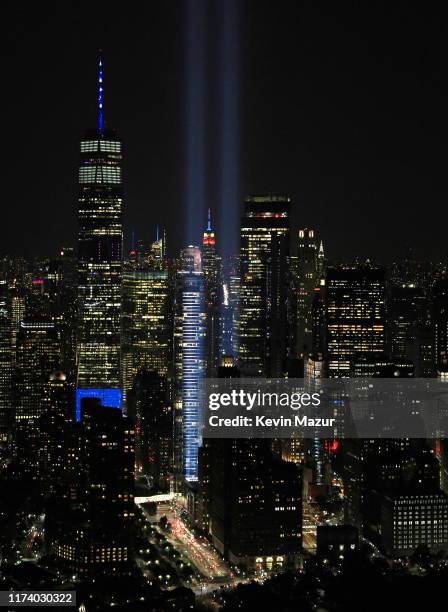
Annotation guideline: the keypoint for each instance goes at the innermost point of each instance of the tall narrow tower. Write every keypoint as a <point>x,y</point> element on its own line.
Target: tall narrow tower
<point>99,256</point>
<point>262,315</point>
<point>211,269</point>
<point>6,359</point>
<point>189,361</point>
<point>309,263</point>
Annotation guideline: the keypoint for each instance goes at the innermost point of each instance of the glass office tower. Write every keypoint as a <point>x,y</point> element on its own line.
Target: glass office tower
<point>190,360</point>
<point>262,317</point>
<point>99,260</point>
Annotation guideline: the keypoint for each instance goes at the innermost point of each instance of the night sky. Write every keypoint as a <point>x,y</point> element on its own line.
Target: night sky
<point>343,105</point>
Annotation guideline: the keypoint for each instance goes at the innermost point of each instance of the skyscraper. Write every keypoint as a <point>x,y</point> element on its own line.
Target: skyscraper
<point>190,362</point>
<point>99,256</point>
<point>262,317</point>
<point>17,315</point>
<point>55,433</point>
<point>255,505</point>
<point>211,269</point>
<point>66,308</point>
<point>308,264</point>
<point>151,410</point>
<point>439,320</point>
<point>250,499</point>
<point>407,314</point>
<point>38,355</point>
<point>6,359</point>
<point>146,328</point>
<point>355,316</point>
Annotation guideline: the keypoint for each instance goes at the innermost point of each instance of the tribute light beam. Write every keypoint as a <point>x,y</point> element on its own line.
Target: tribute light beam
<point>230,125</point>
<point>195,163</point>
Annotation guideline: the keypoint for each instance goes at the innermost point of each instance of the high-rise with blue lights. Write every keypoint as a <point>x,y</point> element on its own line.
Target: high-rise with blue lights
<point>99,256</point>
<point>190,360</point>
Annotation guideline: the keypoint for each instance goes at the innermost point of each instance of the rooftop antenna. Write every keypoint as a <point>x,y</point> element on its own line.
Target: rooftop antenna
<point>100,93</point>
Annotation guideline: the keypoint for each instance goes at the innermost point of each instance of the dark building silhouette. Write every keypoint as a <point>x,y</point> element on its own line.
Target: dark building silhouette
<point>306,268</point>
<point>439,321</point>
<point>151,409</point>
<point>6,361</point>
<point>251,499</point>
<point>255,505</point>
<point>90,528</point>
<point>55,427</point>
<point>407,313</point>
<point>336,543</point>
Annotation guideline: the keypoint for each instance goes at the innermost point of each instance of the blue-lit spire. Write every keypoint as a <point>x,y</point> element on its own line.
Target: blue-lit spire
<point>209,219</point>
<point>157,233</point>
<point>100,94</point>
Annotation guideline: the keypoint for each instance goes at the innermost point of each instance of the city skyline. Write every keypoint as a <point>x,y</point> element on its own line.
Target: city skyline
<point>334,165</point>
<point>224,323</point>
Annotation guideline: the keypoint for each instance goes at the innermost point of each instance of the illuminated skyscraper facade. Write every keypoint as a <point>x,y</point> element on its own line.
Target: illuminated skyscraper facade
<point>355,316</point>
<point>38,355</point>
<point>17,315</point>
<point>145,323</point>
<point>262,316</point>
<point>211,267</point>
<point>157,252</point>
<point>99,260</point>
<point>190,361</point>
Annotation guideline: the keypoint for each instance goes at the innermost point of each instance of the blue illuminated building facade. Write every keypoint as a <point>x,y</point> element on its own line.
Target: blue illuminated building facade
<point>112,398</point>
<point>191,358</point>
